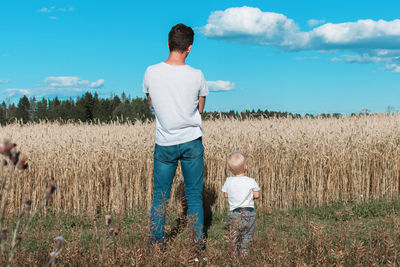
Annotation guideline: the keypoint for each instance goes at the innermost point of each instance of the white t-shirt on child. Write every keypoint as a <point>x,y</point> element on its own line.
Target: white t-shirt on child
<point>174,92</point>
<point>240,191</point>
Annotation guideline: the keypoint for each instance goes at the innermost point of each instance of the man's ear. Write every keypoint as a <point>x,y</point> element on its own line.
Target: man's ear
<point>189,48</point>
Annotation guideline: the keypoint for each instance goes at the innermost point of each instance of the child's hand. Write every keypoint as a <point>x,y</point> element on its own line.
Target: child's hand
<point>256,194</point>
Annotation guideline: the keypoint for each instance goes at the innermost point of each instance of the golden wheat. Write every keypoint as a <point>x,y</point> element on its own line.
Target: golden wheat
<point>108,167</point>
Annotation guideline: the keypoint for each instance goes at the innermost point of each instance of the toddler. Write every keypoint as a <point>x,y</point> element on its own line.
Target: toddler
<point>240,191</point>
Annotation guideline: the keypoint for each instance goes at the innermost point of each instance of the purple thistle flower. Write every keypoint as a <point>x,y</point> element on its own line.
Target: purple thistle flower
<point>4,233</point>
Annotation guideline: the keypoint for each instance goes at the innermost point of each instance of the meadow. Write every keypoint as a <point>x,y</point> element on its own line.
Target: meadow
<point>342,168</point>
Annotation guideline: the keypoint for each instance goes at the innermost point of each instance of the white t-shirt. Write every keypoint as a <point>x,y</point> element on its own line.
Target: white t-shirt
<point>174,92</point>
<point>240,191</point>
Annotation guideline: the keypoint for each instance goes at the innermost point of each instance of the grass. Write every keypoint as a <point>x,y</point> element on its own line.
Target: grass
<point>334,234</point>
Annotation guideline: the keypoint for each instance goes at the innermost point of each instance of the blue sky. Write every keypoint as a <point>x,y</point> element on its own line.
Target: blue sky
<point>297,56</point>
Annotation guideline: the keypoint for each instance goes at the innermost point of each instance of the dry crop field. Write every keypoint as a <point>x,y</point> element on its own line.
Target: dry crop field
<point>297,162</point>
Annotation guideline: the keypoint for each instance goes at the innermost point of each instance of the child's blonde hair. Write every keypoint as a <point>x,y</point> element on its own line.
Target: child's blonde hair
<point>237,162</point>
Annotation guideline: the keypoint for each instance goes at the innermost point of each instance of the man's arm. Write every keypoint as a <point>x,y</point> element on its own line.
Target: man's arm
<point>202,103</point>
<point>149,99</point>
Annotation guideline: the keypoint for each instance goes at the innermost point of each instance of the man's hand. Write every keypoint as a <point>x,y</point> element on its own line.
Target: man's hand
<point>202,103</point>
<point>149,99</point>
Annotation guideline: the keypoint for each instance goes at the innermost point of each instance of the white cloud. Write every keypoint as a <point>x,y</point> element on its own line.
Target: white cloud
<point>364,59</point>
<point>373,41</point>
<point>65,9</point>
<point>220,85</point>
<point>52,17</point>
<point>46,9</point>
<point>251,25</point>
<point>315,22</point>
<point>17,91</point>
<point>97,84</point>
<point>4,81</point>
<point>393,68</point>
<point>62,81</point>
<point>307,58</point>
<point>72,81</point>
<point>54,9</point>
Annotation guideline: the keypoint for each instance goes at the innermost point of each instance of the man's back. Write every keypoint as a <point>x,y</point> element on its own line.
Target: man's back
<point>174,92</point>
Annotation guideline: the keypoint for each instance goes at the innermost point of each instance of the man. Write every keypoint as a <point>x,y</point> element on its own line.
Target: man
<point>177,92</point>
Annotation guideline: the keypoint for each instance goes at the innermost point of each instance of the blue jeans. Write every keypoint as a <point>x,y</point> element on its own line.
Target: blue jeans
<point>166,159</point>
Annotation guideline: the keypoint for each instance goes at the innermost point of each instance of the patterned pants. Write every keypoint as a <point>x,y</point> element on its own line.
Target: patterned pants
<point>241,229</point>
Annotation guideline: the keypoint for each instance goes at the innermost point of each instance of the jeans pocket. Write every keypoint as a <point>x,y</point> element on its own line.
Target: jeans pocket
<point>165,153</point>
<point>193,149</point>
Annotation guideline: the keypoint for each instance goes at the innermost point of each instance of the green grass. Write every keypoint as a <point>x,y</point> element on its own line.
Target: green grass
<point>304,235</point>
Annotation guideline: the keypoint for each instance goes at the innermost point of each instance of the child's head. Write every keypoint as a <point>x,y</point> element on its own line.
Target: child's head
<point>237,162</point>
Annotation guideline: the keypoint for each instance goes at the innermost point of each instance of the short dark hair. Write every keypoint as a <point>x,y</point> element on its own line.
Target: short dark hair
<point>180,37</point>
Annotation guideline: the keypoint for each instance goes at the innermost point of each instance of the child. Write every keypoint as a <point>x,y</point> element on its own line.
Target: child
<point>240,191</point>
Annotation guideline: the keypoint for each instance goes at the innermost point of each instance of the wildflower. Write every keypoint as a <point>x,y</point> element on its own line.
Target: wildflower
<point>117,231</point>
<point>59,242</point>
<point>4,233</point>
<point>14,155</point>
<point>111,231</point>
<point>50,190</point>
<point>21,164</point>
<point>26,201</point>
<point>108,220</point>
<point>5,148</point>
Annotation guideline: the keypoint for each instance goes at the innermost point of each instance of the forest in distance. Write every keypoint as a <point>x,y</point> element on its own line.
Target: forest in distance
<point>92,108</point>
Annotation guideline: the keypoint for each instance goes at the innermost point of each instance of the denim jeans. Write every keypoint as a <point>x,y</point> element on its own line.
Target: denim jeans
<point>166,159</point>
<point>241,228</point>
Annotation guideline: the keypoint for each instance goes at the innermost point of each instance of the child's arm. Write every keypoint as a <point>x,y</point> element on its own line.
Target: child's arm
<point>202,103</point>
<point>149,99</point>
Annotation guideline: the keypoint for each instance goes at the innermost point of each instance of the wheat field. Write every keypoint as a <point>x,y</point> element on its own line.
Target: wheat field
<point>297,162</point>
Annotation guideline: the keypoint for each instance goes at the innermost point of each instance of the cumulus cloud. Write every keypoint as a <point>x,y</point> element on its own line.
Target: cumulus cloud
<point>97,84</point>
<point>251,25</point>
<point>315,22</point>
<point>374,41</point>
<point>220,85</point>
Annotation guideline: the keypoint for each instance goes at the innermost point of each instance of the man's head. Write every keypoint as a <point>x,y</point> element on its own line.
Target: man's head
<point>180,38</point>
<point>237,162</point>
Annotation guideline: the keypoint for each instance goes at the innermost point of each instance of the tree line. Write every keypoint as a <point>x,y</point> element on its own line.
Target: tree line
<point>87,108</point>
<point>91,108</point>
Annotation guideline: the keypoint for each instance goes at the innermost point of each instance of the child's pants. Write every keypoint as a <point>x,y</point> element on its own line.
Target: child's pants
<point>241,229</point>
